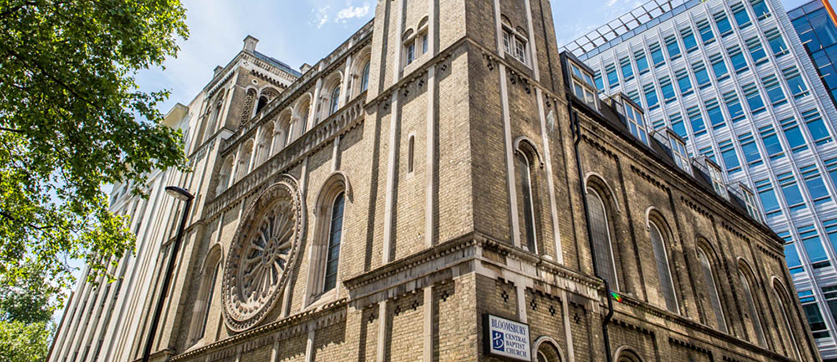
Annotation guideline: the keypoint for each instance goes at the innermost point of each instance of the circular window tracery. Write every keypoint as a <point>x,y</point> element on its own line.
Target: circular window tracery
<point>263,250</point>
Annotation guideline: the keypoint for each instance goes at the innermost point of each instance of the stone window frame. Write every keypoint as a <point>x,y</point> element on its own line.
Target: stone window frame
<point>749,284</point>
<point>549,348</point>
<point>415,42</point>
<point>596,185</point>
<point>525,148</point>
<point>211,269</point>
<point>335,184</point>
<point>515,42</point>
<point>653,218</point>
<point>704,247</point>
<point>626,354</point>
<point>785,303</point>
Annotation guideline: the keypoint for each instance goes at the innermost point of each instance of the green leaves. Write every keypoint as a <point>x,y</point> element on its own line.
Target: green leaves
<point>72,120</point>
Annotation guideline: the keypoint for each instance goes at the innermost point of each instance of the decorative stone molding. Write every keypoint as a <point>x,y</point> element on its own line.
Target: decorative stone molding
<point>650,179</point>
<point>264,248</point>
<point>694,206</point>
<point>339,123</point>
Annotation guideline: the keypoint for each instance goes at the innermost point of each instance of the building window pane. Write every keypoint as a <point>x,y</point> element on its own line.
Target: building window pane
<point>712,290</point>
<point>528,202</point>
<point>334,240</point>
<point>600,233</point>
<point>663,271</point>
<point>751,309</point>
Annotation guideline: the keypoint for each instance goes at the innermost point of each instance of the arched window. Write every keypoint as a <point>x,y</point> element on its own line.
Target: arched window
<point>324,263</point>
<point>712,289</point>
<point>663,270</point>
<point>600,234</point>
<point>364,78</point>
<point>527,202</point>
<point>547,352</point>
<point>265,143</point>
<point>752,309</point>
<point>335,100</point>
<point>224,175</point>
<point>334,238</point>
<point>206,294</point>
<point>244,160</point>
<point>411,153</point>
<point>784,302</point>
<point>627,355</point>
<point>262,103</point>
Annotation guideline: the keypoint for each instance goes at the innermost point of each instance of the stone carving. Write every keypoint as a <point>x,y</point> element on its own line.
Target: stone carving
<point>263,249</point>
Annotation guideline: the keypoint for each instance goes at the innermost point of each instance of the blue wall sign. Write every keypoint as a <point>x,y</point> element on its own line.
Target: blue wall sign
<point>506,338</point>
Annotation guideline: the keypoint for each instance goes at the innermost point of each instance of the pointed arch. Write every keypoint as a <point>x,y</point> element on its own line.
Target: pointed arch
<point>300,115</point>
<point>785,305</point>
<point>626,354</point>
<point>708,263</point>
<point>527,162</point>
<point>661,237</point>
<point>263,151</point>
<point>225,174</point>
<point>333,202</point>
<point>749,285</point>
<point>599,216</point>
<point>361,71</point>
<point>545,349</point>
<point>246,154</point>
<point>210,270</point>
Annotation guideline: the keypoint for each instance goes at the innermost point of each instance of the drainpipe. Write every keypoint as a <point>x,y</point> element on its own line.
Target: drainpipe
<point>576,128</point>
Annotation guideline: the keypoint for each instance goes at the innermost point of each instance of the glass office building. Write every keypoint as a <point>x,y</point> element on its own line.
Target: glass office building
<point>733,79</point>
<point>818,33</point>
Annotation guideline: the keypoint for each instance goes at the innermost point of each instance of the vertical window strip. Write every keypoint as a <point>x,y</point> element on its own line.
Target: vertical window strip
<point>756,51</point>
<point>696,119</point>
<point>812,312</point>
<point>627,70</point>
<point>813,246</point>
<point>672,47</point>
<point>705,31</point>
<point>683,82</point>
<point>736,112</point>
<point>797,86</point>
<point>701,74</point>
<point>831,168</point>
<point>760,9</point>
<point>814,183</point>
<point>641,61</point>
<point>719,67</point>
<point>793,134</point>
<point>767,195</point>
<point>729,156</point>
<point>751,93</point>
<point>716,117</point>
<point>790,190</point>
<point>831,233</point>
<point>612,76</point>
<point>771,142</point>
<point>688,39</point>
<point>651,100</point>
<point>776,42</point>
<point>678,127</point>
<point>736,56</point>
<point>708,152</point>
<point>722,22</point>
<point>774,90</point>
<point>667,89</point>
<point>816,127</point>
<point>739,12</point>
<point>657,54</point>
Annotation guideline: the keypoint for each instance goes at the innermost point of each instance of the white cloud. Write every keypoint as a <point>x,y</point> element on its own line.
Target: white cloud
<point>352,12</point>
<point>321,16</point>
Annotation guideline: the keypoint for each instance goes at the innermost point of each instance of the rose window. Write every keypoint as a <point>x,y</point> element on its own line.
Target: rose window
<point>262,251</point>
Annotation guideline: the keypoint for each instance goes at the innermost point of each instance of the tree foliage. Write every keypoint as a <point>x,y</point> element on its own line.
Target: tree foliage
<point>73,119</point>
<point>26,325</point>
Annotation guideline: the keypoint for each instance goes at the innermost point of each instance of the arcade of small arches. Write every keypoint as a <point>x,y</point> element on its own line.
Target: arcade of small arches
<point>309,109</point>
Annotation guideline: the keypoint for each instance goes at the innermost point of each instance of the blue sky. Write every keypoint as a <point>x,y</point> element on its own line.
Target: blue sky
<point>304,31</point>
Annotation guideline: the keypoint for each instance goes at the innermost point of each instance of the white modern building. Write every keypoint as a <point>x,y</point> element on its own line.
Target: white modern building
<point>733,80</point>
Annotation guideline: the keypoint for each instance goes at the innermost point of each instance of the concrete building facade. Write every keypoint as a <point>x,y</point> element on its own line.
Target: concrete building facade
<point>435,185</point>
<point>734,80</point>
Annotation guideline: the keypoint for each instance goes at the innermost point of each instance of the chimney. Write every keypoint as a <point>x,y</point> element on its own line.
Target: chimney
<point>217,71</point>
<point>250,43</point>
<point>304,68</point>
